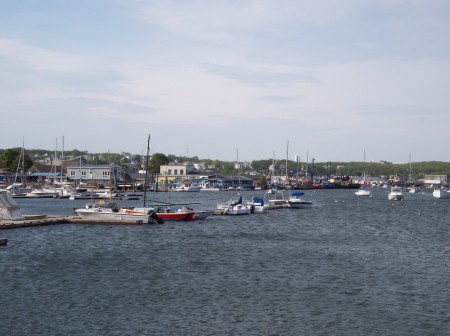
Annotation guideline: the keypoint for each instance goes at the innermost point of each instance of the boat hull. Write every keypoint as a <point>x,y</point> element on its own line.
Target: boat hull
<point>441,194</point>
<point>93,215</point>
<point>299,205</point>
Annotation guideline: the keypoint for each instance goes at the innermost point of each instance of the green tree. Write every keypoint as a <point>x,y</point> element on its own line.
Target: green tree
<point>10,160</point>
<point>157,160</point>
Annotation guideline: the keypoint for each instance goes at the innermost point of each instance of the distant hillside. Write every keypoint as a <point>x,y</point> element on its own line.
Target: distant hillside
<point>419,169</point>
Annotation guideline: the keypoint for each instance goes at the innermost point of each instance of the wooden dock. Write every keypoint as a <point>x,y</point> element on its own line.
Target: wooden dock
<point>60,220</point>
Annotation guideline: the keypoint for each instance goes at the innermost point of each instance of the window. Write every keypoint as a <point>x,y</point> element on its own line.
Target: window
<point>175,171</point>
<point>72,173</point>
<point>181,171</point>
<point>170,172</point>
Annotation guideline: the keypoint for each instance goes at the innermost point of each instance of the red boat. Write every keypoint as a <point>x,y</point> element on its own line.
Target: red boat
<point>176,215</point>
<point>169,213</point>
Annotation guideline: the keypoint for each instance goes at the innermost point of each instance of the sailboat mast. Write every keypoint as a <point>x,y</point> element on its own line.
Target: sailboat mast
<point>287,163</point>
<point>146,171</point>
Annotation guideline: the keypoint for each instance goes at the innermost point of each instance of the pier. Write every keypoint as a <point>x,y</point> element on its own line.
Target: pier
<point>60,220</point>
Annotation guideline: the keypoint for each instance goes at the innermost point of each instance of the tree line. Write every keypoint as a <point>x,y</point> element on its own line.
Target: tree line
<point>10,159</point>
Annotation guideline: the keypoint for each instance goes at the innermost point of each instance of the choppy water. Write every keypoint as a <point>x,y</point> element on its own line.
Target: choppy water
<point>349,266</point>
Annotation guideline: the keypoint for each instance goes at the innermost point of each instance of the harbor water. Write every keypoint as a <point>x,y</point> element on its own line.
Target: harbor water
<point>350,265</point>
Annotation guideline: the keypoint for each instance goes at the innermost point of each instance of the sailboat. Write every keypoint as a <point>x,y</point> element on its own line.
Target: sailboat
<point>165,211</point>
<point>19,189</point>
<point>109,211</point>
<point>412,189</point>
<point>363,191</point>
<point>235,207</point>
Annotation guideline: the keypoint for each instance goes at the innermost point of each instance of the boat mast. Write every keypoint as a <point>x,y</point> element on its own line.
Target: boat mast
<point>238,169</point>
<point>146,171</point>
<point>21,165</point>
<point>287,164</point>
<point>410,171</point>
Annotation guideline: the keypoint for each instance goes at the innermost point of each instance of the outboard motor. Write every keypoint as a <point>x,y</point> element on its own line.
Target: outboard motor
<point>154,217</point>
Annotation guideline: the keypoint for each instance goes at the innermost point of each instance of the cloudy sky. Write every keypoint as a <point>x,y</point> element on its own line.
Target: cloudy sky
<point>335,79</point>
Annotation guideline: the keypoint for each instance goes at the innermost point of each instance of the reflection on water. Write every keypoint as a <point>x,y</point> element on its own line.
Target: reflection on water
<point>349,266</point>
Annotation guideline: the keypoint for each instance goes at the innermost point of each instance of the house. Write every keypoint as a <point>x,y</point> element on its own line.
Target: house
<point>435,180</point>
<point>101,175</point>
<point>176,169</point>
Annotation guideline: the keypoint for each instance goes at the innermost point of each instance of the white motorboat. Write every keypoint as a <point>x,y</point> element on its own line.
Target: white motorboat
<point>441,193</point>
<point>362,191</point>
<point>203,214</point>
<point>279,201</point>
<point>17,190</point>
<point>257,205</point>
<point>413,189</point>
<point>234,207</point>
<point>296,201</point>
<point>112,212</point>
<point>192,187</point>
<point>41,193</point>
<point>396,194</point>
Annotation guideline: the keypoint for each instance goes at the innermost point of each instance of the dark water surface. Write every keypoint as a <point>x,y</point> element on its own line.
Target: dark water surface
<point>349,266</point>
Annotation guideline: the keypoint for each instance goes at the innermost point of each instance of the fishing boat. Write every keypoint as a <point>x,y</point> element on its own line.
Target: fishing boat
<point>296,201</point>
<point>396,194</point>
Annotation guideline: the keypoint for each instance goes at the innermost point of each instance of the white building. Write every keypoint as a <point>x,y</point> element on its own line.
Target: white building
<point>92,174</point>
<point>174,169</point>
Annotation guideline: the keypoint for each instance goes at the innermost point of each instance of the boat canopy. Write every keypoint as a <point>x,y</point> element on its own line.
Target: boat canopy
<point>46,175</point>
<point>239,201</point>
<point>298,194</point>
<point>258,201</point>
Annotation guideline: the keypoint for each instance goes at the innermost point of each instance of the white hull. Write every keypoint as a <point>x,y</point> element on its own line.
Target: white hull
<point>237,210</point>
<point>111,216</point>
<point>299,205</point>
<point>278,204</point>
<point>110,212</point>
<point>203,214</point>
<point>362,192</point>
<point>395,197</point>
<point>440,193</point>
<point>296,201</point>
<point>41,194</point>
<point>189,189</point>
<point>396,194</point>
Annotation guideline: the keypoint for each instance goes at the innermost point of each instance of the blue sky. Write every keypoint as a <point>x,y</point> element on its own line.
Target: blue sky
<point>204,78</point>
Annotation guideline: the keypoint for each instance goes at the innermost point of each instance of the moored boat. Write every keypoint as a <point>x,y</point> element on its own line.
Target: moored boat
<point>234,207</point>
<point>170,213</point>
<point>102,211</point>
<point>362,191</point>
<point>296,201</point>
<point>441,193</point>
<point>41,193</point>
<point>396,194</point>
<point>257,205</point>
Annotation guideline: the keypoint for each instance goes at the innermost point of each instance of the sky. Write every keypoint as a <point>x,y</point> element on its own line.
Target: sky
<point>228,80</point>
